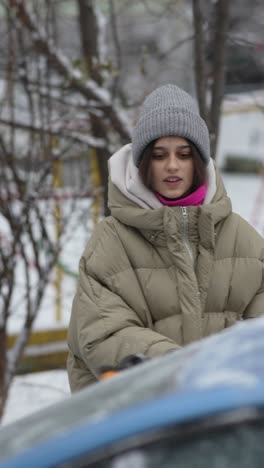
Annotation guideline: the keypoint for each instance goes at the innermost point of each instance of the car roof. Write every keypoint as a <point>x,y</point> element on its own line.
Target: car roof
<point>157,414</point>
<point>233,359</point>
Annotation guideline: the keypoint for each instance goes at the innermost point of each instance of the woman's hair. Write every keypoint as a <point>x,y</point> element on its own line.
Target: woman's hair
<point>199,177</point>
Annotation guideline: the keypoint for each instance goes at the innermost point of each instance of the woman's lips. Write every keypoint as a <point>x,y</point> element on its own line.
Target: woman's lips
<point>172,181</point>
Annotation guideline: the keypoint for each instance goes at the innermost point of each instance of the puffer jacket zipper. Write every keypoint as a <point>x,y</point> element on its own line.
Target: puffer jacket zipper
<point>185,231</point>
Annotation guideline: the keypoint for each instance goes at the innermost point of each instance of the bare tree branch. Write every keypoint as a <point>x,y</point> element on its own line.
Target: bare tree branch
<point>67,134</point>
<point>89,89</point>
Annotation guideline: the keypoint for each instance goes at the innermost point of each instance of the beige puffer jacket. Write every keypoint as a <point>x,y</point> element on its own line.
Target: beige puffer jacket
<point>154,278</point>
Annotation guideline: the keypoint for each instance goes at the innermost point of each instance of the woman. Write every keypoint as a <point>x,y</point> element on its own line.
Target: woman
<point>172,263</point>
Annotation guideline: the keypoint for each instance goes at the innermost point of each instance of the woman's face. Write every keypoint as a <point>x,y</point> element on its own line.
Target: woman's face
<point>172,167</point>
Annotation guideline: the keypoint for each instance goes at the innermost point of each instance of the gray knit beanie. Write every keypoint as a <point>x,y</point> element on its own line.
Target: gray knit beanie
<point>170,111</point>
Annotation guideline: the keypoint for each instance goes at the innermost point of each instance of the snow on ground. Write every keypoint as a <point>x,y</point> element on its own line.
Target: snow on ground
<point>247,196</point>
<point>35,391</point>
<point>32,392</point>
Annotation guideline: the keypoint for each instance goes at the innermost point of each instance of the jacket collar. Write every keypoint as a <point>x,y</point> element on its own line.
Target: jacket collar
<point>124,175</point>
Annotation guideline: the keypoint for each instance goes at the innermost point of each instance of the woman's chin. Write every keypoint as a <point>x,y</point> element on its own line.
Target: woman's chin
<point>172,194</point>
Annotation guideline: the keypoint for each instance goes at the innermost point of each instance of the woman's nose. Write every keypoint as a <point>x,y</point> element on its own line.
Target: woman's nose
<point>172,162</point>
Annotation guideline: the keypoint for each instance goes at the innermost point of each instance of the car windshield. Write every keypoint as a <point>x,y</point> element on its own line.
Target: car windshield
<point>238,446</point>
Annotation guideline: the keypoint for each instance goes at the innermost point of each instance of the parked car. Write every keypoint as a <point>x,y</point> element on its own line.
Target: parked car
<point>202,406</point>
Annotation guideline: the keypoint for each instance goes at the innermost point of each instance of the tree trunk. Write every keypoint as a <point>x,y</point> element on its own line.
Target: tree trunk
<point>89,32</point>
<point>89,39</point>
<point>210,85</point>
<point>200,68</point>
<point>3,370</point>
<point>218,69</point>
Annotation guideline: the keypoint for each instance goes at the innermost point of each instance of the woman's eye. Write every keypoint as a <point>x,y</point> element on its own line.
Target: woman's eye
<point>158,156</point>
<point>185,155</point>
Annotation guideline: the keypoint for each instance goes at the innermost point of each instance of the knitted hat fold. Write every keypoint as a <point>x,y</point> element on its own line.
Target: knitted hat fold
<point>170,111</point>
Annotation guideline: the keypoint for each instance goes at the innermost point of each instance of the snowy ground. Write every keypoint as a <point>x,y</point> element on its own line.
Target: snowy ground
<point>34,391</point>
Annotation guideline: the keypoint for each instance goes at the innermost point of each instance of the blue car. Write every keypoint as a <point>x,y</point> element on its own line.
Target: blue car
<point>199,407</point>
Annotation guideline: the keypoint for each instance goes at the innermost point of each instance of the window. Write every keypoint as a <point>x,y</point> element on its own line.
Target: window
<point>221,442</point>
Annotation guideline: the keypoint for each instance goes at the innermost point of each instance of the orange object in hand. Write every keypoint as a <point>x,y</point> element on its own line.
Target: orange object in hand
<point>131,360</point>
<point>108,374</point>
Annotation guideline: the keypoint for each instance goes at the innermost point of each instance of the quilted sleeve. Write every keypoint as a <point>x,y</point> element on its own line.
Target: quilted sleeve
<point>256,306</point>
<point>104,329</point>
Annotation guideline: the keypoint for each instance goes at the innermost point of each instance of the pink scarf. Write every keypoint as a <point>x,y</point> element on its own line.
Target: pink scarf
<point>195,198</point>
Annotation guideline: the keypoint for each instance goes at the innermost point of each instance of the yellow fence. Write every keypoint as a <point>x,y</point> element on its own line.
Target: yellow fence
<point>46,350</point>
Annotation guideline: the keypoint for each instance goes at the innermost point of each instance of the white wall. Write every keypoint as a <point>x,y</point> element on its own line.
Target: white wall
<point>242,127</point>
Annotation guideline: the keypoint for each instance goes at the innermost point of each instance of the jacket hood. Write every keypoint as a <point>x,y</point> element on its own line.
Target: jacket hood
<point>133,204</point>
